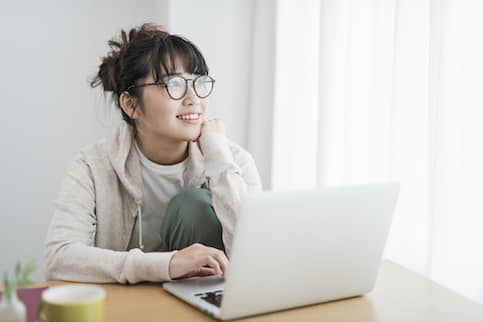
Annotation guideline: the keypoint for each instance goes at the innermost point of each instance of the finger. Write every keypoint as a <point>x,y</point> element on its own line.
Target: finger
<point>211,262</point>
<point>187,275</point>
<point>206,271</point>
<point>202,271</point>
<point>222,260</point>
<point>202,128</point>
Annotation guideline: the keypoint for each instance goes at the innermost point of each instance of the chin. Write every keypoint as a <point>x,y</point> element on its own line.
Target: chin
<point>192,136</point>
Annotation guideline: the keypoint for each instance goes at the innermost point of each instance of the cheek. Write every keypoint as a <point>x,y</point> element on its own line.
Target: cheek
<point>164,116</point>
<point>159,118</point>
<point>159,109</point>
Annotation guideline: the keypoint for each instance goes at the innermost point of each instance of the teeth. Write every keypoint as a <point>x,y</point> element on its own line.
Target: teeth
<point>194,116</point>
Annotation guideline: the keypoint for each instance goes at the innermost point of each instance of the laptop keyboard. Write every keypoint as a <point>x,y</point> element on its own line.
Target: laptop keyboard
<point>212,297</point>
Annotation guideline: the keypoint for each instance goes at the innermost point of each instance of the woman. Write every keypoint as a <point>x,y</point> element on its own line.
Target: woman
<point>158,200</point>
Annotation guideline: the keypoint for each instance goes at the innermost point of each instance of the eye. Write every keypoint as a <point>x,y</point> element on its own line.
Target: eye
<point>203,80</point>
<point>175,82</point>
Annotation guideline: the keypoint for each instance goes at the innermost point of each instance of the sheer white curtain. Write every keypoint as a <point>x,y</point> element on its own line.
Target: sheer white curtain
<point>368,90</point>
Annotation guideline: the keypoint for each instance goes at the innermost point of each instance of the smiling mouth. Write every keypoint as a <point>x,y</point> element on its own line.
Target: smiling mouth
<point>189,117</point>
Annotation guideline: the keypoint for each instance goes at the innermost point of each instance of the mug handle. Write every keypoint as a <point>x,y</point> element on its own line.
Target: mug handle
<point>41,312</point>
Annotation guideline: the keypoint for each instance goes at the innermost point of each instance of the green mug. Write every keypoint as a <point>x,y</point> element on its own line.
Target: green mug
<point>73,303</point>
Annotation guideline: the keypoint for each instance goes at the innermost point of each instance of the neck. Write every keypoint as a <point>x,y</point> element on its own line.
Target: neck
<point>164,152</point>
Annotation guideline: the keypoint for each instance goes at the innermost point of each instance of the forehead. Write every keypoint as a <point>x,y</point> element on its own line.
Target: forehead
<point>179,57</point>
<point>180,67</point>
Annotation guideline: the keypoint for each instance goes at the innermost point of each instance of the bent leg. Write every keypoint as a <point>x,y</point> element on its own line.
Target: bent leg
<point>190,218</point>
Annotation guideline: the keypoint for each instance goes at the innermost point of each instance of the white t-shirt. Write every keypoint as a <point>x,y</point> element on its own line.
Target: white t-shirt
<point>160,184</point>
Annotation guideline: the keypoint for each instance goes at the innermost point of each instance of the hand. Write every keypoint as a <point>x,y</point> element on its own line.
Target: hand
<point>192,261</point>
<point>213,125</point>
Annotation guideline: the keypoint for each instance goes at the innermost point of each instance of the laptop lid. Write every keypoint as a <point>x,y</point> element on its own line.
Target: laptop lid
<point>298,248</point>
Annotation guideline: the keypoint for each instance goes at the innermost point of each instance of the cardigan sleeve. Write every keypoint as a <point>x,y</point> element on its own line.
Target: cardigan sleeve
<point>232,174</point>
<point>70,251</point>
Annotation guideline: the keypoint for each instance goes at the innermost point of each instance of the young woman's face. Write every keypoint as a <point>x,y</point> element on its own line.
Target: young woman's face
<point>169,119</point>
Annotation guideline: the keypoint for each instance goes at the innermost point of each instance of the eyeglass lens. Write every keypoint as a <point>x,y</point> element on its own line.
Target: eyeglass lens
<point>177,86</point>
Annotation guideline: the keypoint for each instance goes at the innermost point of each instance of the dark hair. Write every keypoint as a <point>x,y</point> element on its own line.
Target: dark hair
<point>145,49</point>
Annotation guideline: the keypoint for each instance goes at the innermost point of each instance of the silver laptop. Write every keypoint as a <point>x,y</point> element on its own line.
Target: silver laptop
<point>298,248</point>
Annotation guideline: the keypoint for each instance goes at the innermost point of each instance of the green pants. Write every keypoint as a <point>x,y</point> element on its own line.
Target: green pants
<point>190,218</point>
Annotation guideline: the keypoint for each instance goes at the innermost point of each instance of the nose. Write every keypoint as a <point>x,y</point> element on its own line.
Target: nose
<point>191,98</point>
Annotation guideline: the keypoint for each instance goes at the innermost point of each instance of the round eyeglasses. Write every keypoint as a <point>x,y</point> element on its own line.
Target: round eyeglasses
<point>177,86</point>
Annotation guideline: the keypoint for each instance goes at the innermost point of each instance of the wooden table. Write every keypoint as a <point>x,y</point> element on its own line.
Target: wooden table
<point>399,295</point>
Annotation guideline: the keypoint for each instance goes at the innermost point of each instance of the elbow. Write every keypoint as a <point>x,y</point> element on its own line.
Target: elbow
<point>54,262</point>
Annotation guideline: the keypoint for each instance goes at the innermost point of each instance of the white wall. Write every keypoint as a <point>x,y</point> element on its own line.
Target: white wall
<point>49,51</point>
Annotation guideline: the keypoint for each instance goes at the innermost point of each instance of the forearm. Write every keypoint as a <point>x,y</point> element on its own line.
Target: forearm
<point>82,263</point>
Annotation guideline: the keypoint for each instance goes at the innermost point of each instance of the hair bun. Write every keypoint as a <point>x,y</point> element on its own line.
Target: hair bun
<point>109,69</point>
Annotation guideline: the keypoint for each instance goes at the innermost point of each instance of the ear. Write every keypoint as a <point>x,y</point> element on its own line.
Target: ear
<point>129,105</point>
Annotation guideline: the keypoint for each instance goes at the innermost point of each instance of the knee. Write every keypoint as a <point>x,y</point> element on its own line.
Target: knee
<point>193,206</point>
